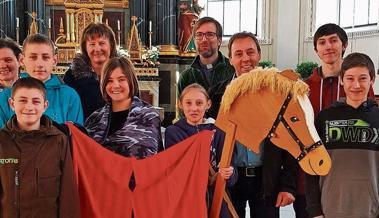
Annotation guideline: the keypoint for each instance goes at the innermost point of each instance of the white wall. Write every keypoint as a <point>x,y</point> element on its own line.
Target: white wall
<point>288,37</point>
<point>286,34</point>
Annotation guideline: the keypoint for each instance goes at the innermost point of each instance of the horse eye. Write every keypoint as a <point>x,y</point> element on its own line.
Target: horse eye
<point>294,119</point>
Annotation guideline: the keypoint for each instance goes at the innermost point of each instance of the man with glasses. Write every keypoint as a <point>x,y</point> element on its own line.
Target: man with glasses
<point>211,69</point>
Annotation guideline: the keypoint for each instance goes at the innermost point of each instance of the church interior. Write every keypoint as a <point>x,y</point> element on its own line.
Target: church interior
<point>153,32</point>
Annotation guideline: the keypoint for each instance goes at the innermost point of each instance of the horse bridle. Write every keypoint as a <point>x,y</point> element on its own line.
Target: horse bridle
<point>280,119</point>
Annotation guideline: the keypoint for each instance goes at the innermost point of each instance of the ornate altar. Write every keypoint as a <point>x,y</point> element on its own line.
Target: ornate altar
<point>78,14</point>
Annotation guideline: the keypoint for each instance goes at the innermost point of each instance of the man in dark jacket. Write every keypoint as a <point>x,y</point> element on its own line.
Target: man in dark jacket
<point>211,69</point>
<point>266,180</point>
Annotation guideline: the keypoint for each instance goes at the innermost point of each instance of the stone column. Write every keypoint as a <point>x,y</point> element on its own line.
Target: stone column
<point>37,6</point>
<point>68,35</point>
<point>139,9</point>
<point>166,26</point>
<point>8,19</point>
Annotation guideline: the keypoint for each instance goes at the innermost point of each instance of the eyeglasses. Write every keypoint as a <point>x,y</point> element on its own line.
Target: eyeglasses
<point>208,35</point>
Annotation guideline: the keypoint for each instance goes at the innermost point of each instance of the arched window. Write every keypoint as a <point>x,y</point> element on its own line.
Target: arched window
<point>349,14</point>
<point>235,15</point>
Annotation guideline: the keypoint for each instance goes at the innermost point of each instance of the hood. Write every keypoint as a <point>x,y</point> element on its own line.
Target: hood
<point>365,106</point>
<point>186,127</point>
<point>11,128</point>
<point>53,83</point>
<point>81,68</point>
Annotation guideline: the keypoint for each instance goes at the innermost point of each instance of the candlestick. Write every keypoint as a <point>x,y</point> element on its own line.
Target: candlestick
<point>49,23</point>
<point>18,35</point>
<point>150,26</point>
<point>119,38</point>
<point>118,25</point>
<point>17,22</point>
<point>150,33</point>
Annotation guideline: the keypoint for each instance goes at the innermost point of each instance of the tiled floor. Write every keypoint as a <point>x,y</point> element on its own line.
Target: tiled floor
<point>285,212</point>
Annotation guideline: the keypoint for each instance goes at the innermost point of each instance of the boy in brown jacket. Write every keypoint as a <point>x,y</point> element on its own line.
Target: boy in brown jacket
<point>36,173</point>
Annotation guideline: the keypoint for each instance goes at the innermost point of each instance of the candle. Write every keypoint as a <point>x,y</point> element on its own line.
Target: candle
<point>118,25</point>
<point>17,22</point>
<point>150,26</point>
<point>49,23</point>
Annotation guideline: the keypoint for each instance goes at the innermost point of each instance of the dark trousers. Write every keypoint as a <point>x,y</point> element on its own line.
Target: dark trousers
<point>249,189</point>
<point>300,207</point>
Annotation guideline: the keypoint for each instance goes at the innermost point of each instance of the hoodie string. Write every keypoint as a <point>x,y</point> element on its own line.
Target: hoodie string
<point>321,90</point>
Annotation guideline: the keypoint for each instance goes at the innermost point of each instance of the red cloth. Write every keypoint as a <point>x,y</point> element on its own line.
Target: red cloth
<point>171,184</point>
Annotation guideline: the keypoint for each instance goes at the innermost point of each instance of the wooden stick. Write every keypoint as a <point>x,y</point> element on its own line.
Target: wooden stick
<point>226,157</point>
<point>225,196</point>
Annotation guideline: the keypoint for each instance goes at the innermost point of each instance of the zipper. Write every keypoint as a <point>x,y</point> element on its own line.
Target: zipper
<point>17,193</point>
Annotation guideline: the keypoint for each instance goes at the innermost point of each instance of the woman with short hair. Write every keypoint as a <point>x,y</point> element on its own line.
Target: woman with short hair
<point>97,45</point>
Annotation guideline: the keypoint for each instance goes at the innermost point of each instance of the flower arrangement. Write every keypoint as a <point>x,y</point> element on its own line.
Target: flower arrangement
<point>151,54</point>
<point>122,52</point>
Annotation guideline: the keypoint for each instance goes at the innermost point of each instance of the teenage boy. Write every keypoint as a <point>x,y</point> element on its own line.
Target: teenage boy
<point>349,130</point>
<point>36,172</point>
<point>39,59</point>
<point>330,42</point>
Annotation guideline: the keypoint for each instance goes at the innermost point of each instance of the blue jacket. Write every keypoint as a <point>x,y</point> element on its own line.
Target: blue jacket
<point>182,130</point>
<point>64,102</point>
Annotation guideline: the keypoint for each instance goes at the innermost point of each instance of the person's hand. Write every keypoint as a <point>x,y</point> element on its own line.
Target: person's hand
<point>226,172</point>
<point>284,199</point>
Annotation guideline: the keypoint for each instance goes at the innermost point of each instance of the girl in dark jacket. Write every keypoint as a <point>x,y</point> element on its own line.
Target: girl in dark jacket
<point>126,124</point>
<point>194,101</point>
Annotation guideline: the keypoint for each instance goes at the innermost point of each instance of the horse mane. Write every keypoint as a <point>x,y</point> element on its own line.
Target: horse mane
<point>259,79</point>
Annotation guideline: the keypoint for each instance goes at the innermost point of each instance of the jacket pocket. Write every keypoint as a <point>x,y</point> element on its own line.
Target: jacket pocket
<point>48,184</point>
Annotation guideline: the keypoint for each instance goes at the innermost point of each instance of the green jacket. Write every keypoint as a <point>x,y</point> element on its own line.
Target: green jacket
<point>223,74</point>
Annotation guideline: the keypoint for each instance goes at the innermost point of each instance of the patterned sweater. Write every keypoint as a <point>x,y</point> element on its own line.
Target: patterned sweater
<point>140,135</point>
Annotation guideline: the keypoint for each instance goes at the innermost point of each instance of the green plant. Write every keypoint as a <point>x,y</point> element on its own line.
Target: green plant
<point>265,64</point>
<point>305,69</point>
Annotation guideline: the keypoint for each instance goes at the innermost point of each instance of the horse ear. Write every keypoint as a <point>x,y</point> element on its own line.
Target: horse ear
<point>290,74</point>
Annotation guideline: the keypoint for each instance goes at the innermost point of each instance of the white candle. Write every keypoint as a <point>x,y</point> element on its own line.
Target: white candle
<point>49,23</point>
<point>17,22</point>
<point>150,26</point>
<point>118,25</point>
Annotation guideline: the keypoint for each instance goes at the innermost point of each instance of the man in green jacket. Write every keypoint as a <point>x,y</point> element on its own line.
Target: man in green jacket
<point>211,69</point>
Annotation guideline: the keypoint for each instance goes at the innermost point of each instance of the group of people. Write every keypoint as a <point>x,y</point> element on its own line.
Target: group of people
<point>341,89</point>
<point>100,93</point>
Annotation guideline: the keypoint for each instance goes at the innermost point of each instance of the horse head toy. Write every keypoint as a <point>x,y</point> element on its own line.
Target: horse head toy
<point>265,104</point>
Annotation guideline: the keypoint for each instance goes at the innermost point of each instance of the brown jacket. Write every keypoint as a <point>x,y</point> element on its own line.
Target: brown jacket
<point>36,173</point>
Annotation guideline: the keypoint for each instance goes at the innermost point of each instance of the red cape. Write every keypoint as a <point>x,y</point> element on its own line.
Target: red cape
<point>171,184</point>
